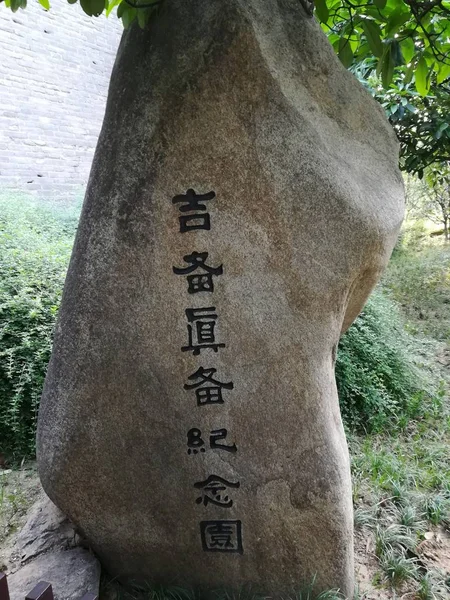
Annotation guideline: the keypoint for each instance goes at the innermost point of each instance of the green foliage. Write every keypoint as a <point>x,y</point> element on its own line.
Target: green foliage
<point>401,52</point>
<point>422,124</point>
<point>127,10</point>
<point>430,588</point>
<point>377,379</point>
<point>409,36</point>
<point>437,508</point>
<point>35,245</point>
<point>398,568</point>
<point>415,463</point>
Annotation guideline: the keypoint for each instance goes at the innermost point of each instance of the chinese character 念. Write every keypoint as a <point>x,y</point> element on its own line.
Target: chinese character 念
<point>213,489</point>
<point>207,394</point>
<point>221,536</point>
<point>201,324</point>
<point>191,202</point>
<point>199,282</point>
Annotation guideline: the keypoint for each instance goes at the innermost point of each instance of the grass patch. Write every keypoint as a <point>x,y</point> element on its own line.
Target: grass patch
<point>401,476</point>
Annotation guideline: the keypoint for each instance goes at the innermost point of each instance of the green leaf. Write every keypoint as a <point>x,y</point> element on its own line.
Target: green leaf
<point>409,74</point>
<point>93,8</point>
<point>143,16</point>
<point>128,16</point>
<point>122,8</point>
<point>373,35</point>
<point>332,38</point>
<point>408,49</point>
<point>345,52</point>
<point>86,6</point>
<point>45,4</point>
<point>441,129</point>
<point>422,78</point>
<point>387,67</point>
<point>354,40</point>
<point>397,19</point>
<point>363,51</point>
<point>380,3</point>
<point>111,5</point>
<point>396,54</point>
<point>72,1</point>
<point>98,6</point>
<point>15,5</point>
<point>322,11</point>
<point>444,73</point>
<point>411,108</point>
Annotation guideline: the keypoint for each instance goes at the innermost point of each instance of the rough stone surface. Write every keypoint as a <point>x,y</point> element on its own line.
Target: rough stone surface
<point>244,98</point>
<point>72,574</point>
<point>47,528</point>
<point>47,549</point>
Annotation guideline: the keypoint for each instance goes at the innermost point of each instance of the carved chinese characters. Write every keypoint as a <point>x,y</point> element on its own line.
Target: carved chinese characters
<point>219,535</point>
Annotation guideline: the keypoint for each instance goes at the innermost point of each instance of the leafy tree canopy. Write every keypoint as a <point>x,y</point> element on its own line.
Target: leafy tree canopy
<point>422,123</point>
<point>413,35</point>
<point>400,50</point>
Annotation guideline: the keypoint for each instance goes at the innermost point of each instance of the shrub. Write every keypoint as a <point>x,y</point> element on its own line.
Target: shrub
<point>377,376</point>
<point>35,245</point>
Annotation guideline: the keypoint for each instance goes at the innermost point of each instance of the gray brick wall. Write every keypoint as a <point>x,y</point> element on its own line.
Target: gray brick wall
<point>54,73</point>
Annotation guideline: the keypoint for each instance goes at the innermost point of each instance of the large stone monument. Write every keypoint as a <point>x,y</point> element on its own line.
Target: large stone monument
<point>243,201</point>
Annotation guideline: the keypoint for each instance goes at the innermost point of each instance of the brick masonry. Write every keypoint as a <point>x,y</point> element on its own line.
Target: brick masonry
<point>54,73</point>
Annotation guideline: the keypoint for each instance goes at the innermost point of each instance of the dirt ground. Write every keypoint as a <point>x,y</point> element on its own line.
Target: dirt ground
<point>433,555</point>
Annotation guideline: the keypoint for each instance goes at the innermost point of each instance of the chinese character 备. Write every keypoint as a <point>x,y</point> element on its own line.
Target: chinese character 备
<point>205,393</point>
<point>198,282</point>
